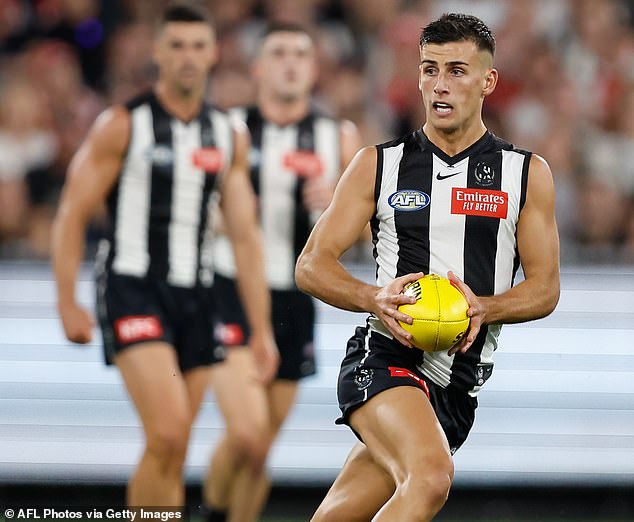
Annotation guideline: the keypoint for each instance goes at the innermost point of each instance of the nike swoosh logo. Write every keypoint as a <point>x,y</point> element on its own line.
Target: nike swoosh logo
<point>440,177</point>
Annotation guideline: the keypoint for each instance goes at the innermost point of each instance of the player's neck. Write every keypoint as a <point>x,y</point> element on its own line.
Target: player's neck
<point>283,112</point>
<point>452,143</point>
<point>181,105</point>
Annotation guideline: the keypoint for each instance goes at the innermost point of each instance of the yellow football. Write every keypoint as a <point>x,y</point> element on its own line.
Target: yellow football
<point>439,313</point>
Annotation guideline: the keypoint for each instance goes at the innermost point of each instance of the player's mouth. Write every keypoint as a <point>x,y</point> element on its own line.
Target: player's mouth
<point>442,108</point>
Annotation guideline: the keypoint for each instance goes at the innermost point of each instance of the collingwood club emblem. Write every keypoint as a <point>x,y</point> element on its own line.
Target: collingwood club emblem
<point>363,378</point>
<point>484,174</point>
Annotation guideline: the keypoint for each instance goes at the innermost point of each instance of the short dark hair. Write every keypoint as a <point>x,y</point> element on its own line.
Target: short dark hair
<point>185,12</point>
<point>286,27</point>
<point>457,27</point>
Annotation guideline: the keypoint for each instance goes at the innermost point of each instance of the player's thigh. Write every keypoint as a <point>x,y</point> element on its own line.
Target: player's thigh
<point>282,395</point>
<point>359,491</point>
<point>197,382</point>
<point>157,388</point>
<point>402,433</point>
<point>241,397</point>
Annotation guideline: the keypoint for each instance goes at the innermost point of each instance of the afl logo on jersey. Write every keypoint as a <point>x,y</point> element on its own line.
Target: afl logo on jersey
<point>160,155</point>
<point>408,200</point>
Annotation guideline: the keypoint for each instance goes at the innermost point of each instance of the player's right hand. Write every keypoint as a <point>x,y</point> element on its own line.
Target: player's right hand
<point>388,299</point>
<point>78,323</point>
<point>267,356</point>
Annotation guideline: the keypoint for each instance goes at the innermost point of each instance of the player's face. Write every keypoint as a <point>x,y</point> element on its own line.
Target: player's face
<point>184,52</point>
<point>454,80</point>
<point>286,66</point>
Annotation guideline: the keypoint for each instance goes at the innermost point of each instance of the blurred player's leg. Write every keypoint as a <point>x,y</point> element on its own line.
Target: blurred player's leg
<point>243,403</point>
<point>250,492</point>
<point>161,395</point>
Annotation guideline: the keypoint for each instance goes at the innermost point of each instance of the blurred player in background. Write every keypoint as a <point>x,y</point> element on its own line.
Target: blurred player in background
<point>449,198</point>
<point>157,162</point>
<point>296,158</point>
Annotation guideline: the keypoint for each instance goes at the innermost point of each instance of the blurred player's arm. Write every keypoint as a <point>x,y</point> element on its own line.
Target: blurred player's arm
<point>238,207</point>
<point>319,271</point>
<point>91,175</point>
<point>538,246</point>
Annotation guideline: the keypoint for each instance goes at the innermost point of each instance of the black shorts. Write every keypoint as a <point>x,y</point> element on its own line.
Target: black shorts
<point>293,316</point>
<point>375,363</point>
<point>135,310</point>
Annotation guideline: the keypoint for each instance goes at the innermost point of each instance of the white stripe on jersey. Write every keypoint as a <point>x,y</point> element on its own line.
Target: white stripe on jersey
<point>187,190</point>
<point>446,246</point>
<point>387,245</point>
<point>327,134</point>
<point>277,204</point>
<point>446,230</point>
<point>133,204</point>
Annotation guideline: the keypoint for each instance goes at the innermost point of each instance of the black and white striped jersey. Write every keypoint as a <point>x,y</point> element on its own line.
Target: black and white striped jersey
<point>436,213</point>
<point>281,160</point>
<point>159,205</point>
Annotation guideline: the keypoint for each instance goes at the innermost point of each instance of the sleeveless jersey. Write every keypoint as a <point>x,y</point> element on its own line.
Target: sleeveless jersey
<point>160,204</point>
<point>281,160</point>
<point>436,213</point>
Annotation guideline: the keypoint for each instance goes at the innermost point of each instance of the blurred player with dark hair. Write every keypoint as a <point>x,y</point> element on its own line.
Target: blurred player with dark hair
<point>157,162</point>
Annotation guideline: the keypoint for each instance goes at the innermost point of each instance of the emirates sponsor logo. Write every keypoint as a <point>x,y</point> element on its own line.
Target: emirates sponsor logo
<point>479,202</point>
<point>136,328</point>
<point>209,159</point>
<point>305,164</point>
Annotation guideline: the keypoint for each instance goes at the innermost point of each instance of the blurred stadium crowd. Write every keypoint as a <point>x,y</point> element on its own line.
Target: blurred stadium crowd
<point>566,92</point>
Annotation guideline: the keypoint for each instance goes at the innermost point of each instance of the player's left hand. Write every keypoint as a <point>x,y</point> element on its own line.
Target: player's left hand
<point>476,312</point>
<point>317,193</point>
<point>267,356</point>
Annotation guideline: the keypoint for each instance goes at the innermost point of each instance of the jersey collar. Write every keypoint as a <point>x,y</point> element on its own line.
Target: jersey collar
<point>476,147</point>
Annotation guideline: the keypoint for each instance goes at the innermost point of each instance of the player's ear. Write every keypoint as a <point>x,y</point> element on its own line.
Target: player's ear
<point>490,81</point>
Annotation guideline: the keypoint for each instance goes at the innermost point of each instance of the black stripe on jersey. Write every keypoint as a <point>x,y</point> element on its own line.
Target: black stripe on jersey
<point>306,142</point>
<point>160,194</point>
<point>374,220</point>
<point>412,228</point>
<point>207,139</point>
<point>255,123</point>
<point>480,250</point>
<point>525,167</point>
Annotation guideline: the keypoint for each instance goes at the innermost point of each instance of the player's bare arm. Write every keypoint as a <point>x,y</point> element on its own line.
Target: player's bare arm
<point>238,206</point>
<point>319,271</point>
<point>91,175</point>
<point>538,246</point>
